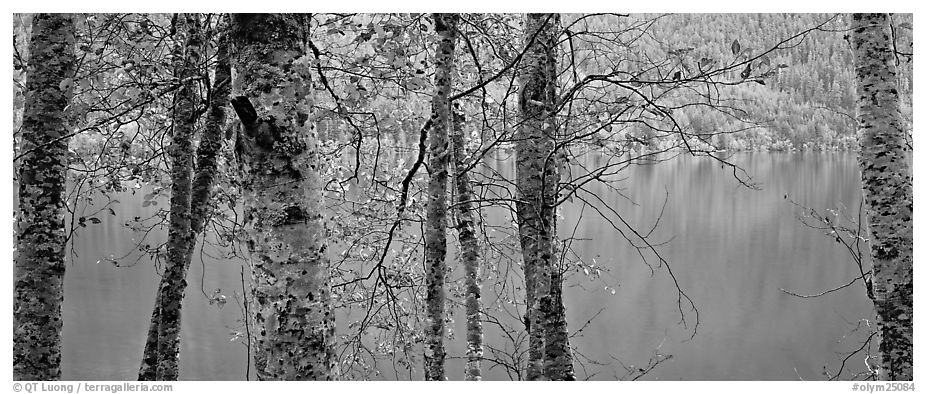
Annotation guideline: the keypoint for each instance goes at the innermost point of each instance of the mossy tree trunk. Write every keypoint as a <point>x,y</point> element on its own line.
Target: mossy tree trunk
<point>469,251</point>
<point>557,353</point>
<point>277,151</point>
<point>206,171</point>
<point>180,239</point>
<point>40,237</point>
<point>549,356</point>
<point>436,221</point>
<point>211,141</point>
<point>887,188</point>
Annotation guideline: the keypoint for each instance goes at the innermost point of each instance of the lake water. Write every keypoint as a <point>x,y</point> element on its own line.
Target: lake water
<point>731,250</point>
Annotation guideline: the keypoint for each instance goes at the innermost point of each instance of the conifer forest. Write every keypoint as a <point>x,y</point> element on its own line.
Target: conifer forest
<point>473,196</point>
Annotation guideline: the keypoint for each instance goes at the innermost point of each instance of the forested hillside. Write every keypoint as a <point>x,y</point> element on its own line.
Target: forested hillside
<point>808,103</point>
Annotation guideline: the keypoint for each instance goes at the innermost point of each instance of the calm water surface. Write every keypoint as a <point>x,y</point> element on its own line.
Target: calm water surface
<point>731,250</point>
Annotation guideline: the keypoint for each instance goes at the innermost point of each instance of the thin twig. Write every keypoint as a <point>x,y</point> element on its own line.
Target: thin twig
<point>247,327</point>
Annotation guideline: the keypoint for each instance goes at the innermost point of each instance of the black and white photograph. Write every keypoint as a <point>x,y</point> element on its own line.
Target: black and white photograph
<point>473,196</point>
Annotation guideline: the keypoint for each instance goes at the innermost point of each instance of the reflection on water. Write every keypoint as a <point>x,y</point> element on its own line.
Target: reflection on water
<point>731,250</point>
<point>107,308</point>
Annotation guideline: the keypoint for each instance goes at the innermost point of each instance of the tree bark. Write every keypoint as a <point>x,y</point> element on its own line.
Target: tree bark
<point>436,221</point>
<point>205,173</point>
<point>557,353</point>
<point>40,237</point>
<point>273,97</point>
<point>211,141</point>
<point>887,188</point>
<point>537,183</point>
<point>149,358</point>
<point>469,246</point>
<point>180,237</point>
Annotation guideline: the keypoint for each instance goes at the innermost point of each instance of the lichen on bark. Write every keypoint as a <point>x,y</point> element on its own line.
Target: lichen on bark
<point>887,189</point>
<point>180,238</point>
<point>469,251</point>
<point>205,173</point>
<point>282,198</point>
<point>38,273</point>
<point>445,25</point>
<point>537,183</point>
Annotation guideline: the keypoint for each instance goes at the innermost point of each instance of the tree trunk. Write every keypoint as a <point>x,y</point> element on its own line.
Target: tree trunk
<point>557,353</point>
<point>149,357</point>
<point>40,236</point>
<point>469,246</point>
<point>282,198</point>
<point>179,235</point>
<point>887,186</point>
<point>210,144</point>
<point>206,170</point>
<point>436,222</point>
<point>537,182</point>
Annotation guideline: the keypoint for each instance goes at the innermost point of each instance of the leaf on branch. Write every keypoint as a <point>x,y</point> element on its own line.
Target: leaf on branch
<point>735,47</point>
<point>748,71</point>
